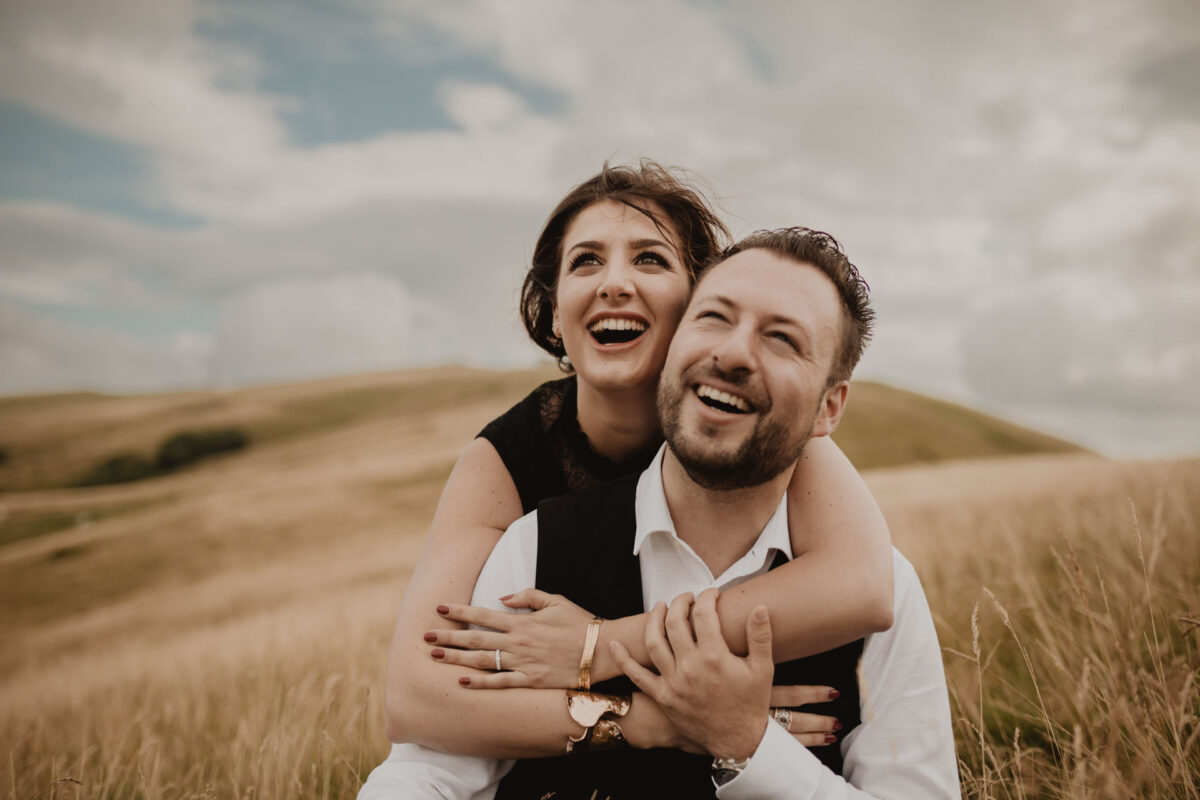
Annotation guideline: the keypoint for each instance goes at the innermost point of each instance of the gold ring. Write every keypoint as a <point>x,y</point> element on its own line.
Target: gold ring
<point>783,716</point>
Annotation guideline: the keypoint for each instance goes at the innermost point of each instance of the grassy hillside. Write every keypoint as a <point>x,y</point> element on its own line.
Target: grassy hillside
<point>220,631</point>
<point>886,427</point>
<point>51,440</point>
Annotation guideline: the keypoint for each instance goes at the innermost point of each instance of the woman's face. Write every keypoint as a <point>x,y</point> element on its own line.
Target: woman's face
<point>621,293</point>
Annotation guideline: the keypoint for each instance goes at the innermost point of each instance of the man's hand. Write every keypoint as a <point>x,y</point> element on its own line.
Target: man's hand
<point>714,698</point>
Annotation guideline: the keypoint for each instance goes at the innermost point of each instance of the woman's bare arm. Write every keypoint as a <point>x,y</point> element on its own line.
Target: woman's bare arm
<point>478,502</point>
<point>425,702</point>
<point>839,586</point>
<point>837,589</point>
<point>427,705</point>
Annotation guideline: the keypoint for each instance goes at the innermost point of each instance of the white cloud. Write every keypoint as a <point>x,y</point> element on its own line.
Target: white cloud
<point>1025,218</point>
<point>40,355</point>
<point>1080,340</point>
<point>303,328</point>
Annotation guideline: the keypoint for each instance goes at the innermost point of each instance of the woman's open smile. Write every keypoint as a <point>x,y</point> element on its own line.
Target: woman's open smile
<point>621,292</point>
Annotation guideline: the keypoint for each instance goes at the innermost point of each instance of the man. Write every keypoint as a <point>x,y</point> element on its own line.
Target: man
<point>759,364</point>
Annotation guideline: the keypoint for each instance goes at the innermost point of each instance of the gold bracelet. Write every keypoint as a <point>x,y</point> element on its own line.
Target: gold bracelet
<point>607,735</point>
<point>588,709</point>
<point>589,652</point>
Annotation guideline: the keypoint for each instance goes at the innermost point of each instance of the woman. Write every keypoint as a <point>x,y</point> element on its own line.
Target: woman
<point>609,281</point>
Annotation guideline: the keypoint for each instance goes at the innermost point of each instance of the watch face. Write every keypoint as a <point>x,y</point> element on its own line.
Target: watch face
<point>723,776</point>
<point>726,769</point>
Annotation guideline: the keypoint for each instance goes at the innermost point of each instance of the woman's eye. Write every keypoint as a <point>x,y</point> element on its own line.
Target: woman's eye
<point>585,259</point>
<point>650,257</point>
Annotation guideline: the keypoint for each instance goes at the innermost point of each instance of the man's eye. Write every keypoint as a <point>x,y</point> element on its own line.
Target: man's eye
<point>714,315</point>
<point>785,339</point>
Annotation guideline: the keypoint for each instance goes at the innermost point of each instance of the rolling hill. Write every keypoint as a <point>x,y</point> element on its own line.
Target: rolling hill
<point>49,441</point>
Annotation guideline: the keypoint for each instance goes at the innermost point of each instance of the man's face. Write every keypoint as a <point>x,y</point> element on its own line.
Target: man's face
<point>744,386</point>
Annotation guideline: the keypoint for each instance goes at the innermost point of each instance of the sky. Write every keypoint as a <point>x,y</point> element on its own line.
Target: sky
<point>201,193</point>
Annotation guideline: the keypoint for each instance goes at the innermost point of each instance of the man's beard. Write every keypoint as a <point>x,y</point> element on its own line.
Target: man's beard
<point>772,447</point>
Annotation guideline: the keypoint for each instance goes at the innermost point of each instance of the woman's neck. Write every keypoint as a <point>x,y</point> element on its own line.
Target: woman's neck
<point>618,425</point>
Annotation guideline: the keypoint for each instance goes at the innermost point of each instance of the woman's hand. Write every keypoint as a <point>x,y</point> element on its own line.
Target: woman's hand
<point>811,730</point>
<point>539,650</point>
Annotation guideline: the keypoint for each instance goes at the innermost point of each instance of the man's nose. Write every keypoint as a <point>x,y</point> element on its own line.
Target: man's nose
<point>737,350</point>
<point>617,282</point>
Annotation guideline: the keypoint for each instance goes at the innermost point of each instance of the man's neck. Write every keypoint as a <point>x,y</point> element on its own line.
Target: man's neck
<point>721,526</point>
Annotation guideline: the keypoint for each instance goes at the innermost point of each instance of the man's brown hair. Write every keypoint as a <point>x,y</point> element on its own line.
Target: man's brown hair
<point>825,253</point>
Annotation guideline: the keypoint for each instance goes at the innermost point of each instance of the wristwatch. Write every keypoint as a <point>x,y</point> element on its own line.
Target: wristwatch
<point>726,769</point>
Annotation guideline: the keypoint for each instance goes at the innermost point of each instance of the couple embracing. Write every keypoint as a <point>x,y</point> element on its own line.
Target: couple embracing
<point>720,613</point>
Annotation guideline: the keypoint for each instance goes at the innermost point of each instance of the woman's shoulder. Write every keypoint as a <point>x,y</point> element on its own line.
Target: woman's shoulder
<point>534,414</point>
<point>522,435</point>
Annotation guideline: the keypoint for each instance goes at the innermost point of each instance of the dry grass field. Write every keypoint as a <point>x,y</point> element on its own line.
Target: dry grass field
<point>220,632</point>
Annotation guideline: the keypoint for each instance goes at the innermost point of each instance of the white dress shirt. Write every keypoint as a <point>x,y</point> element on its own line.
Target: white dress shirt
<point>904,747</point>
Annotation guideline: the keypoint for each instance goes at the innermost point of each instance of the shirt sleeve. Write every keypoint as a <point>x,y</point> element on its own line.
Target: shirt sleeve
<point>413,772</point>
<point>419,773</point>
<point>904,748</point>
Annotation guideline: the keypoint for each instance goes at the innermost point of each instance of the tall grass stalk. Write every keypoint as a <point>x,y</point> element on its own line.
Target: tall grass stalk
<point>1078,687</point>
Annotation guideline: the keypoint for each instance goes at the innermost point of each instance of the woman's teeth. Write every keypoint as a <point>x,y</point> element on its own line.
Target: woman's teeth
<point>613,324</point>
<point>615,330</point>
<point>723,401</point>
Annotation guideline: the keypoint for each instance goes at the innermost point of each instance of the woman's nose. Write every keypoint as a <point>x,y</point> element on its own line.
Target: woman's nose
<point>617,282</point>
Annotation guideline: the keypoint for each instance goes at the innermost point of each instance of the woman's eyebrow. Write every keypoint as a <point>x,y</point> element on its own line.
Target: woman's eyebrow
<point>639,244</point>
<point>588,245</point>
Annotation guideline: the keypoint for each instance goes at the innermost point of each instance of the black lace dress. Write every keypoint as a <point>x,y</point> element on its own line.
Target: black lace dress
<point>545,451</point>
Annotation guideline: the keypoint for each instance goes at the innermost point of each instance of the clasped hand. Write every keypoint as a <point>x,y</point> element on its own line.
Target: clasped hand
<point>716,701</point>
<point>539,650</point>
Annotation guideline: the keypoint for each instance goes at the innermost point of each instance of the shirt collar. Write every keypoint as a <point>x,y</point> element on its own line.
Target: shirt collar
<point>653,516</point>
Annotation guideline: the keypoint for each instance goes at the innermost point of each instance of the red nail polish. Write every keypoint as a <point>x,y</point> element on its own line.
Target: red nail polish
<point>443,610</point>
<point>830,738</point>
<point>837,725</point>
<point>507,596</point>
<point>431,637</point>
<point>438,653</point>
<point>464,681</point>
<point>834,694</point>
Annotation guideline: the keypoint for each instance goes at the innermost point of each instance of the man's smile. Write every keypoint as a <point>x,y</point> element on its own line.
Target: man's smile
<point>722,400</point>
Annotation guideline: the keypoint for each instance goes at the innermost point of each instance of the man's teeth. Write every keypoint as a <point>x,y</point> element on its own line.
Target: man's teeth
<point>616,324</point>
<point>724,398</point>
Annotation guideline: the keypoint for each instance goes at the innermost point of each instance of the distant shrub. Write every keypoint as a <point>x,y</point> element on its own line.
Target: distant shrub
<point>3,455</point>
<point>180,450</point>
<point>188,446</point>
<point>119,469</point>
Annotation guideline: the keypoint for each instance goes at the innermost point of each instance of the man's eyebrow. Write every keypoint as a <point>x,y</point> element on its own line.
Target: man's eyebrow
<point>774,319</point>
<point>722,299</point>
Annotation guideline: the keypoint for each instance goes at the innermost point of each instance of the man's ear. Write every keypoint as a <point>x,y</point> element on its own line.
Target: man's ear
<point>832,405</point>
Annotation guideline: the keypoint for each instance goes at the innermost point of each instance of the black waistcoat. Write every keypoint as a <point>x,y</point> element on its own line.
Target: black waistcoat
<point>585,552</point>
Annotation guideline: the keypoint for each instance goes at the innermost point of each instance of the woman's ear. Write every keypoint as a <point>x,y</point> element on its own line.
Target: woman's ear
<point>554,327</point>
